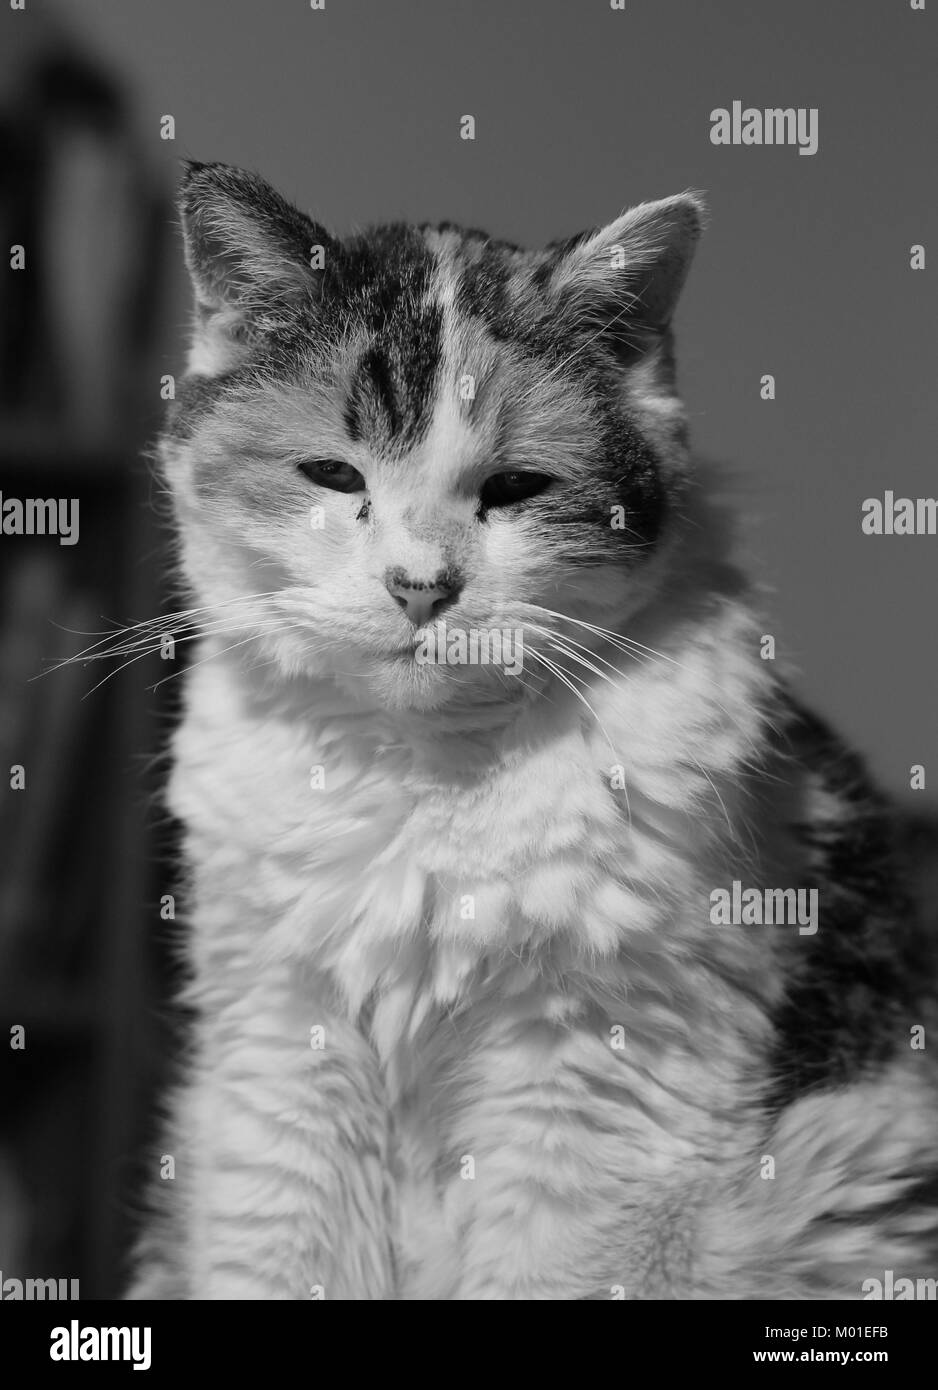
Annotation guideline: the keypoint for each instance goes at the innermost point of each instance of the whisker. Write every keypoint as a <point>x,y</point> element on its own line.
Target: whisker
<point>195,636</point>
<point>637,650</point>
<point>566,678</point>
<point>252,637</point>
<point>134,634</point>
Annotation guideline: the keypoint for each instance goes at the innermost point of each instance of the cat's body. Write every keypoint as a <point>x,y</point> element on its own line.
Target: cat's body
<point>464,1025</point>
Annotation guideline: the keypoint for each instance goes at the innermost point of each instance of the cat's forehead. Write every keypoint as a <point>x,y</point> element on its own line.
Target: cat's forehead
<point>430,343</point>
<point>430,314</point>
<point>381,301</point>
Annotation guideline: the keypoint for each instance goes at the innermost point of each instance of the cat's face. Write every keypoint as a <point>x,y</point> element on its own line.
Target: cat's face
<point>419,426</point>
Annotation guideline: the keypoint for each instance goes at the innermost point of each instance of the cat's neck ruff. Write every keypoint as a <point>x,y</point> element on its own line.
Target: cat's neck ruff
<point>357,844</point>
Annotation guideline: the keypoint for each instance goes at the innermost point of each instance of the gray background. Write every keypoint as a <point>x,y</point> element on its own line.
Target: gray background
<point>354,113</point>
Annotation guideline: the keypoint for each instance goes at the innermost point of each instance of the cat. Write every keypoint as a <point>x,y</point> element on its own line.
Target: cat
<point>466,1025</point>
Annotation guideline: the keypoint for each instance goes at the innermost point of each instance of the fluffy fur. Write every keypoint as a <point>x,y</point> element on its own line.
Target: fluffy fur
<point>463,1026</point>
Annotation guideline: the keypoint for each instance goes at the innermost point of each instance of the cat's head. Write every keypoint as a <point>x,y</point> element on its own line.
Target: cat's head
<point>416,425</point>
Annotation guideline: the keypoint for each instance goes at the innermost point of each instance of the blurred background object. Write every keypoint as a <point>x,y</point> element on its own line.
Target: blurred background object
<point>79,398</point>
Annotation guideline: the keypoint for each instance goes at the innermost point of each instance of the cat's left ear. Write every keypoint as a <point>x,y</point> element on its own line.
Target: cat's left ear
<point>626,277</point>
<point>253,260</point>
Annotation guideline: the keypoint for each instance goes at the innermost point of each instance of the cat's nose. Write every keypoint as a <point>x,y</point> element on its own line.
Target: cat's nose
<point>422,600</point>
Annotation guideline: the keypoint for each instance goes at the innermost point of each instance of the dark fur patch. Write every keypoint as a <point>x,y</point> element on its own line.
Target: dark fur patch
<point>375,382</point>
<point>481,291</point>
<point>378,285</point>
<point>850,1000</point>
<point>352,419</point>
<point>634,476</point>
<point>625,475</point>
<point>553,255</point>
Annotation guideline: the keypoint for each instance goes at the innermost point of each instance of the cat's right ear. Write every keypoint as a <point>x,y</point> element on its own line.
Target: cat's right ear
<point>253,260</point>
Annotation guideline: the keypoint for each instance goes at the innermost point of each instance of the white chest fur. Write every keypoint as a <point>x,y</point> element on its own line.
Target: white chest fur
<point>523,946</point>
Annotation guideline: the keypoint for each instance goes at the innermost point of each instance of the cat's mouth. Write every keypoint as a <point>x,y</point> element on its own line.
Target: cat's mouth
<point>416,642</point>
<point>410,643</point>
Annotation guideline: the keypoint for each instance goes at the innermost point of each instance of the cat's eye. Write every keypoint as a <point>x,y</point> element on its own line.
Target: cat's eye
<point>333,473</point>
<point>504,489</point>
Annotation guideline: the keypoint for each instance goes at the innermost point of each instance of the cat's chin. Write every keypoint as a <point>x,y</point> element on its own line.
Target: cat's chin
<point>398,683</point>
<point>401,684</point>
